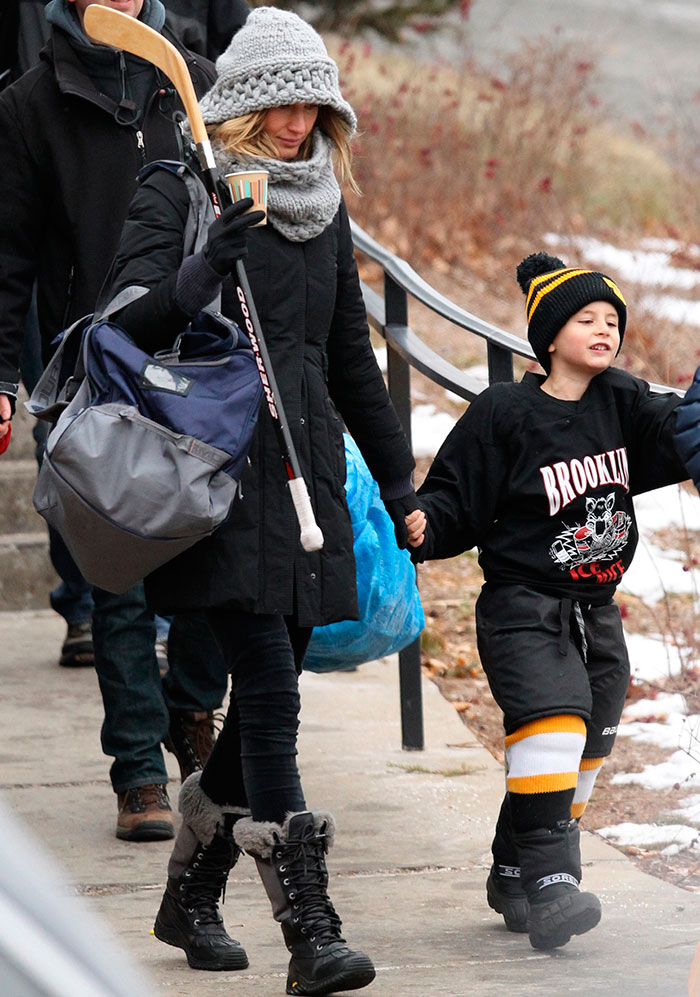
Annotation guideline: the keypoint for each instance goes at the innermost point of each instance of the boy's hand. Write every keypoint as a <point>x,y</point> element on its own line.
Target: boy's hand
<point>400,509</point>
<point>415,527</point>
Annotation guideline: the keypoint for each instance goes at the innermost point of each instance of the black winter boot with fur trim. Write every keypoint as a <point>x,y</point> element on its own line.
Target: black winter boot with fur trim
<point>291,860</point>
<point>550,864</point>
<point>204,854</point>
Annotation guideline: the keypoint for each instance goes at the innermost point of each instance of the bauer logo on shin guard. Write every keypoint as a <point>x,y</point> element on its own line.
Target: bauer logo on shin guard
<point>557,877</point>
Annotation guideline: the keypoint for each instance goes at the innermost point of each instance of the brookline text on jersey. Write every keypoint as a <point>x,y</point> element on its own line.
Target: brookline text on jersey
<point>566,481</point>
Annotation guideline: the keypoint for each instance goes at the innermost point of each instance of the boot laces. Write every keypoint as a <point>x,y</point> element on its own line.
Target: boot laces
<point>206,878</point>
<point>305,878</point>
<point>193,734</point>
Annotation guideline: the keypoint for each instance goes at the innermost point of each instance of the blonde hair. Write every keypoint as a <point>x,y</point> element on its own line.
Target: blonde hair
<point>246,136</point>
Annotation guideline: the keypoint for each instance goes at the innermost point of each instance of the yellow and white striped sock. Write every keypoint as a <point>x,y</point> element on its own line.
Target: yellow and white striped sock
<point>542,760</point>
<point>587,774</point>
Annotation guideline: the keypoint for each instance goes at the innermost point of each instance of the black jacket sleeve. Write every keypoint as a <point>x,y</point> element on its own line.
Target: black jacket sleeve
<point>355,382</point>
<point>24,207</point>
<point>149,255</point>
<point>461,492</point>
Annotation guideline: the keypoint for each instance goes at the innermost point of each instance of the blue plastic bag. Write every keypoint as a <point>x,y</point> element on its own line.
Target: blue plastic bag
<point>391,615</point>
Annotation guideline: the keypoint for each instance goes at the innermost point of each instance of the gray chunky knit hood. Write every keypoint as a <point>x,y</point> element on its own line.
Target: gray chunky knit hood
<point>275,59</point>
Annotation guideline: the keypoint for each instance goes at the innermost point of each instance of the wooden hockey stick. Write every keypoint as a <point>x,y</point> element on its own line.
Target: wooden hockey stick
<point>111,27</point>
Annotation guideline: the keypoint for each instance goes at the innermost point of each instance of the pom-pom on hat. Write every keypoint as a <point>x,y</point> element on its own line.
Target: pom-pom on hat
<point>275,59</point>
<point>555,292</point>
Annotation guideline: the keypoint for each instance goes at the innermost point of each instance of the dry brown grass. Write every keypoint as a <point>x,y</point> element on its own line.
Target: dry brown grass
<point>463,174</point>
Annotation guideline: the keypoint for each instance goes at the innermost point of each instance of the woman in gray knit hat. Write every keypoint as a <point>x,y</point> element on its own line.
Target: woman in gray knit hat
<point>276,105</point>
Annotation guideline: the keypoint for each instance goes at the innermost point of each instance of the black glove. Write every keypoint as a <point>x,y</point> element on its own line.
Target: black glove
<point>226,241</point>
<point>398,509</point>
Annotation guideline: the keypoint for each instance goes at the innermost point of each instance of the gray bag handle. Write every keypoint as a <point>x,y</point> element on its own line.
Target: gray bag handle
<point>47,400</point>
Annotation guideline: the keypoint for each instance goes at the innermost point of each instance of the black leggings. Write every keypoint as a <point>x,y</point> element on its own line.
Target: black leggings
<point>253,763</point>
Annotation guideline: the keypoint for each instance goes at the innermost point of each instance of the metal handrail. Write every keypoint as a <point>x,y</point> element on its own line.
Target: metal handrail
<point>411,282</point>
<point>389,317</point>
<point>411,347</point>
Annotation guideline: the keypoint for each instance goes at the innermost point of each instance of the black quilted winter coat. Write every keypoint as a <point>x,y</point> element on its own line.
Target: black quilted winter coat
<point>311,310</point>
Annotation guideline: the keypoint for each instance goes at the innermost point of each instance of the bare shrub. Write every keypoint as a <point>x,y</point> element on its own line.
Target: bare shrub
<point>452,161</point>
<point>463,174</point>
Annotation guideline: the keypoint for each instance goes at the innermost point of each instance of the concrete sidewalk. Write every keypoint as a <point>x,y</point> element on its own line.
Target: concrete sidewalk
<point>407,871</point>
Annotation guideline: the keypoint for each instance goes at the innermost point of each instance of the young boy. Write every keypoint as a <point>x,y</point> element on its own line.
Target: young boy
<point>540,475</point>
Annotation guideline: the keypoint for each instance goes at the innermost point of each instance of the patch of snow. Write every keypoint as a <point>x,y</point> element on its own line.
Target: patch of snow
<point>380,354</point>
<point>655,572</point>
<point>663,735</point>
<point>429,429</point>
<point>648,266</point>
<point>678,768</point>
<point>479,371</point>
<point>652,659</point>
<point>677,837</point>
<point>680,310</point>
<point>669,506</point>
<point>660,707</point>
<point>690,809</point>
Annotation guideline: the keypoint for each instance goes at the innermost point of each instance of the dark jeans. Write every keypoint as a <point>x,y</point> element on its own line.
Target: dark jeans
<point>72,598</point>
<point>254,763</point>
<point>135,699</point>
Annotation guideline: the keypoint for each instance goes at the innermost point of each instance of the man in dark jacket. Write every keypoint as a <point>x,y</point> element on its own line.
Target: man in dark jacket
<point>23,32</point>
<point>74,133</point>
<point>206,26</point>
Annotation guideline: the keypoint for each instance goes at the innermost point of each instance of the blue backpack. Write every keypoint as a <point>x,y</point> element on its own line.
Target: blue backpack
<point>145,457</point>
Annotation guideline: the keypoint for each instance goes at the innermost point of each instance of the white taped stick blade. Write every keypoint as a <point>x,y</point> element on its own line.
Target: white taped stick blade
<point>311,536</point>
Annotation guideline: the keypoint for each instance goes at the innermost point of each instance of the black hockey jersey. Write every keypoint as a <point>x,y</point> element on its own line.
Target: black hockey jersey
<point>544,487</point>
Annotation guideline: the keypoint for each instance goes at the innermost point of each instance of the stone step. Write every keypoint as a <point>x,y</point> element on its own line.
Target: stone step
<point>22,444</point>
<point>17,514</point>
<point>26,574</point>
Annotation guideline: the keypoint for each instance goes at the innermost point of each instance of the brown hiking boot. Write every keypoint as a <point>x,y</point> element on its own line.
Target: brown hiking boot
<point>144,814</point>
<point>77,650</point>
<point>190,738</point>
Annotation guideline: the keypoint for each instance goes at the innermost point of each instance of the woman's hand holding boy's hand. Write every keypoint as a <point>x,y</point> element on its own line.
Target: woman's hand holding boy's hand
<point>415,527</point>
<point>408,518</point>
<point>227,238</point>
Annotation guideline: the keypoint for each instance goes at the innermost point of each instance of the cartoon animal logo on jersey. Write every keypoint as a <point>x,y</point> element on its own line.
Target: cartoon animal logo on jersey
<point>600,538</point>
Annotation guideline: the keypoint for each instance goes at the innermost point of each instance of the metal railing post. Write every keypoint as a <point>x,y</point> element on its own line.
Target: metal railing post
<point>399,378</point>
<point>500,361</point>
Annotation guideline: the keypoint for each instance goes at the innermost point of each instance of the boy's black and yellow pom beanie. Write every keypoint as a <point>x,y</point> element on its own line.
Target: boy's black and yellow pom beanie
<point>555,292</point>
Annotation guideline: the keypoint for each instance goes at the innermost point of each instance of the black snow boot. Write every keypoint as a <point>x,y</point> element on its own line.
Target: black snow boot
<point>291,860</point>
<point>204,854</point>
<point>504,890</point>
<point>550,864</point>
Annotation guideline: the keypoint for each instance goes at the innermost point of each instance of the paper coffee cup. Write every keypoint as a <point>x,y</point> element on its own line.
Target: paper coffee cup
<point>250,184</point>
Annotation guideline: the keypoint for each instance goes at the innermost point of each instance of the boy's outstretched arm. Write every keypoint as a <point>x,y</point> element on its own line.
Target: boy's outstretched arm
<point>462,488</point>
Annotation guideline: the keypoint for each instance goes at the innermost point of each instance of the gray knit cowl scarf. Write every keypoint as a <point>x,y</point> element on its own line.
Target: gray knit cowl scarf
<point>302,196</point>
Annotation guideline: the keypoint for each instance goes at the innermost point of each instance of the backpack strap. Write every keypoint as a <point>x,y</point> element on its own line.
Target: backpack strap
<point>65,370</point>
<point>201,213</point>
